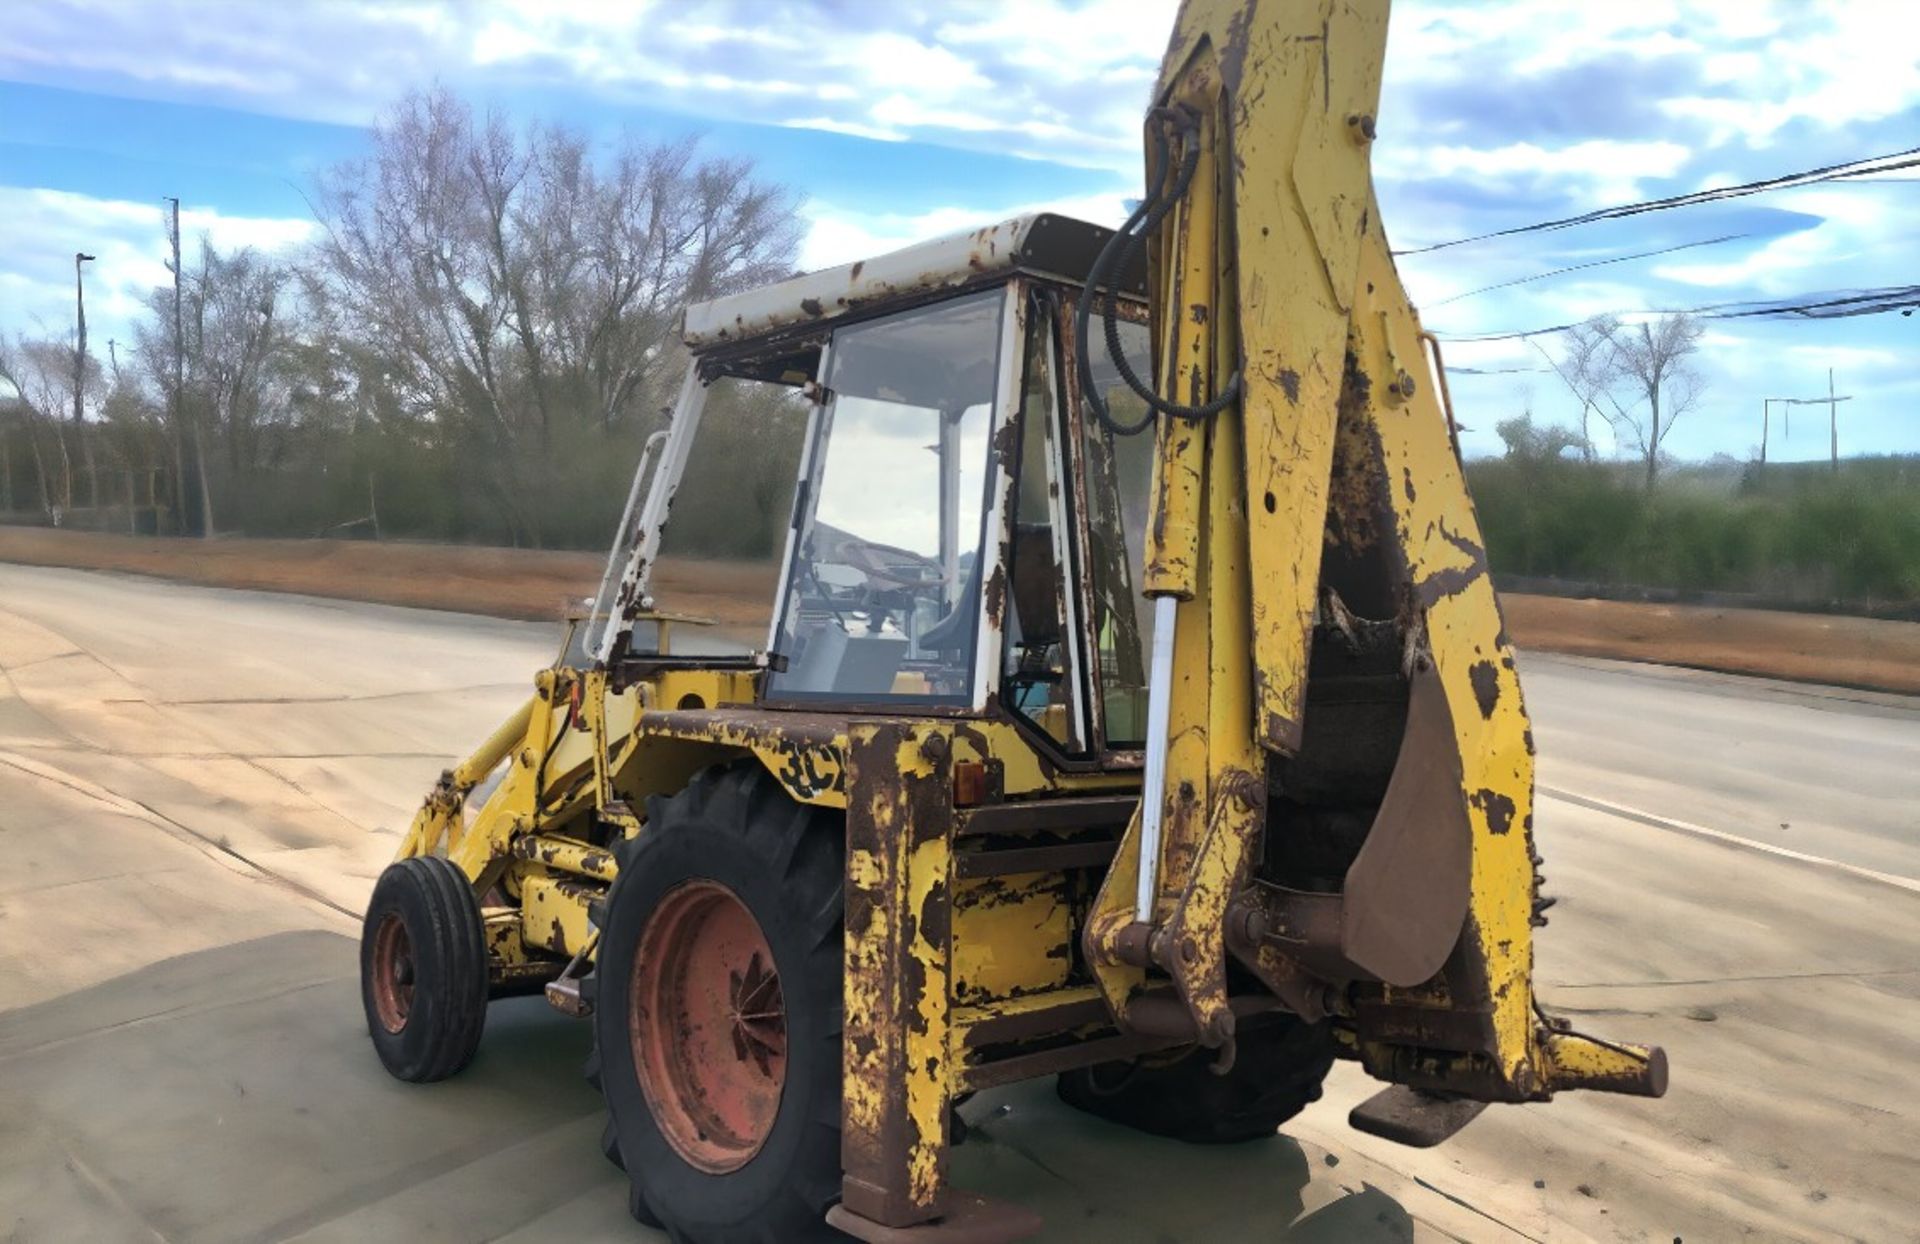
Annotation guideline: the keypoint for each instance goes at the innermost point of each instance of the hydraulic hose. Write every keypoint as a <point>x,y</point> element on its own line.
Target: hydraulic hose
<point>1114,257</point>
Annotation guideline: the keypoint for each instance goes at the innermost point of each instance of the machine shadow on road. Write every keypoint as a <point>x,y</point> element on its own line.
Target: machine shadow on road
<point>230,1095</point>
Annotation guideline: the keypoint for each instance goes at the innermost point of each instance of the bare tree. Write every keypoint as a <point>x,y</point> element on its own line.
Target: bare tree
<point>520,294</point>
<point>234,338</point>
<point>1588,368</point>
<point>41,372</point>
<point>1648,364</point>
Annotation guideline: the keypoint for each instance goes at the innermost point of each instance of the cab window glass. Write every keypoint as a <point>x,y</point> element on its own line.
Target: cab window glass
<point>1036,673</point>
<point>721,546</point>
<point>884,592</point>
<point>1119,478</point>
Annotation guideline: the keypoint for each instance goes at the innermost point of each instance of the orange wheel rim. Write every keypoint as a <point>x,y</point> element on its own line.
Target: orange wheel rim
<point>392,973</point>
<point>708,1023</point>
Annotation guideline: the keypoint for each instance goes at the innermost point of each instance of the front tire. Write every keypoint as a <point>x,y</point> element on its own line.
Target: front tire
<point>423,969</point>
<point>717,1012</point>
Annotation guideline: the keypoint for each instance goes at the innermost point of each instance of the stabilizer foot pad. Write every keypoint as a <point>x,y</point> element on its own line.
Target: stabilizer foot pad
<point>563,995</point>
<point>969,1219</point>
<point>1410,1117</point>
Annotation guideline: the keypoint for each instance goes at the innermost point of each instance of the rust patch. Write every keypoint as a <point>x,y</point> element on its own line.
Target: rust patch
<point>935,915</point>
<point>996,591</point>
<point>812,306</point>
<point>1498,807</point>
<point>1486,686</point>
<point>1472,550</point>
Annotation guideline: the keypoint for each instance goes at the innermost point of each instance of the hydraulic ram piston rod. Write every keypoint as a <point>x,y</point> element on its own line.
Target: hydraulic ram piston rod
<point>1153,794</point>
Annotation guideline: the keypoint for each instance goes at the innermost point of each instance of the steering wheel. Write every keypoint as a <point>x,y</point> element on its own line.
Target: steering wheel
<point>866,558</point>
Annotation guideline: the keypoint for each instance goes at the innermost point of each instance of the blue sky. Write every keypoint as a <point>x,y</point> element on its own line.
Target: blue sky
<point>910,118</point>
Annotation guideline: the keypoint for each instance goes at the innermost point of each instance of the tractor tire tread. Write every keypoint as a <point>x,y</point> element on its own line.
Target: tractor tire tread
<point>736,811</point>
<point>437,903</point>
<point>1280,1067</point>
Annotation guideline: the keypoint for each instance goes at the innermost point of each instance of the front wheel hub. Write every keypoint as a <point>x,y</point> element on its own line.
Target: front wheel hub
<point>708,1024</point>
<point>392,973</point>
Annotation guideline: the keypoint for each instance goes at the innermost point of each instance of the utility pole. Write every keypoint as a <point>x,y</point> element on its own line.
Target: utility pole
<point>80,374</point>
<point>80,342</point>
<point>1831,401</point>
<point>1833,421</point>
<point>192,487</point>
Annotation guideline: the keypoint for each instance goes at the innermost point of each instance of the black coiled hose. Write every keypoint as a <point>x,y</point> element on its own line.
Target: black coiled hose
<point>1113,258</point>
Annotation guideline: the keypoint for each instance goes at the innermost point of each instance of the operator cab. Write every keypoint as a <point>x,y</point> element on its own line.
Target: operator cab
<point>892,455</point>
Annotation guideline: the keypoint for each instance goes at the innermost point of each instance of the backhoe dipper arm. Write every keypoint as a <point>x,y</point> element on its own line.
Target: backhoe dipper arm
<point>1302,458</point>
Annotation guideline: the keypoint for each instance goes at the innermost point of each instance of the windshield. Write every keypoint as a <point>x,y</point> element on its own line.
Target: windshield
<point>883,595</point>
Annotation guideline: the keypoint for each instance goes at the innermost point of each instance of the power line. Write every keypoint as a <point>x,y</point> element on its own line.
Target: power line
<point>1805,306</point>
<point>1597,263</point>
<point>1891,162</point>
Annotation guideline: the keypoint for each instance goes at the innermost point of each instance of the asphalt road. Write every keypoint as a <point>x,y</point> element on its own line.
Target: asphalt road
<point>197,787</point>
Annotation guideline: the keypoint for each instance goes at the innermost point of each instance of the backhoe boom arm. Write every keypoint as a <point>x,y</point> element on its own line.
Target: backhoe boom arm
<point>1312,544</point>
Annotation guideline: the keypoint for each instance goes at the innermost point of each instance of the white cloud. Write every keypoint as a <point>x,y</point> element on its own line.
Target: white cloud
<point>129,244</point>
<point>879,133</point>
<point>1855,221</point>
<point>1610,171</point>
<point>1855,64</point>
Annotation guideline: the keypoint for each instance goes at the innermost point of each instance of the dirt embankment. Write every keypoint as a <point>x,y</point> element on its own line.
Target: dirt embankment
<point>1874,653</point>
<point>536,584</point>
<point>531,584</point>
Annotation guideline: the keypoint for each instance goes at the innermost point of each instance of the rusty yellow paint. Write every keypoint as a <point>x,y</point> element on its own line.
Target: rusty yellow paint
<point>1185,367</point>
<point>896,1090</point>
<point>504,945</point>
<point>570,855</point>
<point>1189,325</point>
<point>553,912</point>
<point>688,688</point>
<point>443,809</point>
<point>1011,935</point>
<point>1440,540</point>
<point>1111,913</point>
<point>1571,1061</point>
<point>1292,75</point>
<point>966,1017</point>
<point>1235,765</point>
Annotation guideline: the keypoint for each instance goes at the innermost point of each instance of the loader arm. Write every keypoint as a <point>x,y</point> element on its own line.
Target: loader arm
<point>1311,533</point>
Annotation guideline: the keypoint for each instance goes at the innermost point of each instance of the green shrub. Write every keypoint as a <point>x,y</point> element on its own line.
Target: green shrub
<point>1797,531</point>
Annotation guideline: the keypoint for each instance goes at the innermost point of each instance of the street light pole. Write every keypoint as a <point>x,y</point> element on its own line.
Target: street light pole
<point>80,344</point>
<point>80,377</point>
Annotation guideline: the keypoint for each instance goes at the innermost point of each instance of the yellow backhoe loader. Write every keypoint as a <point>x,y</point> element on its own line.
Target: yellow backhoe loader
<point>1134,709</point>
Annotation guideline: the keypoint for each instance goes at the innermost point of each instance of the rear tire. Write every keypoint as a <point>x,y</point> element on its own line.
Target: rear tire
<point>423,969</point>
<point>1278,1069</point>
<point>718,1048</point>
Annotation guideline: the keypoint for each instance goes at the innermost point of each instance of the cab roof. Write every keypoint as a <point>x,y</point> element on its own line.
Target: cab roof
<point>1043,243</point>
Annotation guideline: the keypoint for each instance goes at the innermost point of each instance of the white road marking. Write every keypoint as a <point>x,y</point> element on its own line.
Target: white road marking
<point>1658,821</point>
